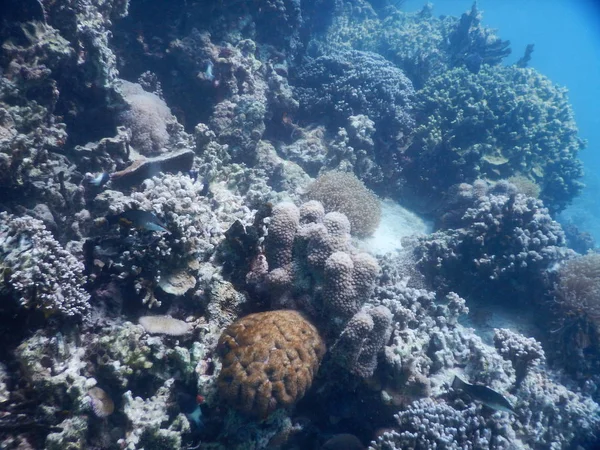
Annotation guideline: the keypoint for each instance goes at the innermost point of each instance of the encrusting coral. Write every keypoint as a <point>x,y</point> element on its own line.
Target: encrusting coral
<point>269,361</point>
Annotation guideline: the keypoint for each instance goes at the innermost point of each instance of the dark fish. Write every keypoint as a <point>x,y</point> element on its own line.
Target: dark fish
<point>136,218</point>
<point>484,394</point>
<point>343,441</point>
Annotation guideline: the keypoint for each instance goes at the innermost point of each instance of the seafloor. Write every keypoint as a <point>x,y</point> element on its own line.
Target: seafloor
<point>287,224</point>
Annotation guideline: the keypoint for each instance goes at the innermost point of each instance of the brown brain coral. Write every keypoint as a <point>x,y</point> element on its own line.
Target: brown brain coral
<point>269,361</point>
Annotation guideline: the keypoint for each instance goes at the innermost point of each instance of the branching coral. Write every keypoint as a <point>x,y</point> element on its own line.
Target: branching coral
<point>38,270</point>
<point>493,124</point>
<point>491,234</point>
<point>348,83</point>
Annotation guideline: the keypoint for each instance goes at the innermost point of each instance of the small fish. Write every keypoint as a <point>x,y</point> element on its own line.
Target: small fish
<point>99,180</point>
<point>484,394</point>
<point>208,73</point>
<point>137,218</point>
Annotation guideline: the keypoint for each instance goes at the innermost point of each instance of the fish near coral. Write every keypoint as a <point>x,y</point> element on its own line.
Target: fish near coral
<point>164,325</point>
<point>137,218</point>
<point>484,394</point>
<point>269,361</point>
<point>102,405</point>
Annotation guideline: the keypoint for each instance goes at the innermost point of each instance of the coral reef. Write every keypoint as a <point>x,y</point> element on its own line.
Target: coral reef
<point>147,117</point>
<point>269,361</point>
<point>576,297</point>
<point>346,83</point>
<point>343,192</point>
<point>491,233</point>
<point>363,337</point>
<point>38,271</point>
<point>181,190</point>
<point>493,124</point>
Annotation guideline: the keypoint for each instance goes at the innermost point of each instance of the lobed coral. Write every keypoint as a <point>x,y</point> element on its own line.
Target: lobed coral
<point>363,337</point>
<point>269,361</point>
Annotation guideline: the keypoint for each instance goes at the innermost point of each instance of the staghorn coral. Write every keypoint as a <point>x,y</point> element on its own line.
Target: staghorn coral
<point>344,193</point>
<point>38,270</point>
<point>269,361</point>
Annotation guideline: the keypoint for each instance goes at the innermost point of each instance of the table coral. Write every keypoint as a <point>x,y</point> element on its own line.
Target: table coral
<point>269,361</point>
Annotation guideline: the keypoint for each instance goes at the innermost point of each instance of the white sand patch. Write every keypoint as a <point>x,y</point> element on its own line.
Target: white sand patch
<point>396,223</point>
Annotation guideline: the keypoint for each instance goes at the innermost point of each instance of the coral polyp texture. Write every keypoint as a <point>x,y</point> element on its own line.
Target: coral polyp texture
<point>269,361</point>
<point>499,122</point>
<point>343,192</point>
<point>37,270</point>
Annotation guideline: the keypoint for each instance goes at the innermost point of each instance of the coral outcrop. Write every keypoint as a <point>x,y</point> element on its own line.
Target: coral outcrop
<point>344,193</point>
<point>493,124</point>
<point>269,361</point>
<point>489,234</point>
<point>38,271</point>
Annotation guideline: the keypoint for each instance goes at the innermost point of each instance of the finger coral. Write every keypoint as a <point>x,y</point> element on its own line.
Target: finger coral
<point>269,361</point>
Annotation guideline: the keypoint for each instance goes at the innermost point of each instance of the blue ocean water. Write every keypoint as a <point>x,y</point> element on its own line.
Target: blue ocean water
<point>566,35</point>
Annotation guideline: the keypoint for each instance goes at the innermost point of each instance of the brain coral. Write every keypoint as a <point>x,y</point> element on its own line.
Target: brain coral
<point>343,192</point>
<point>269,361</point>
